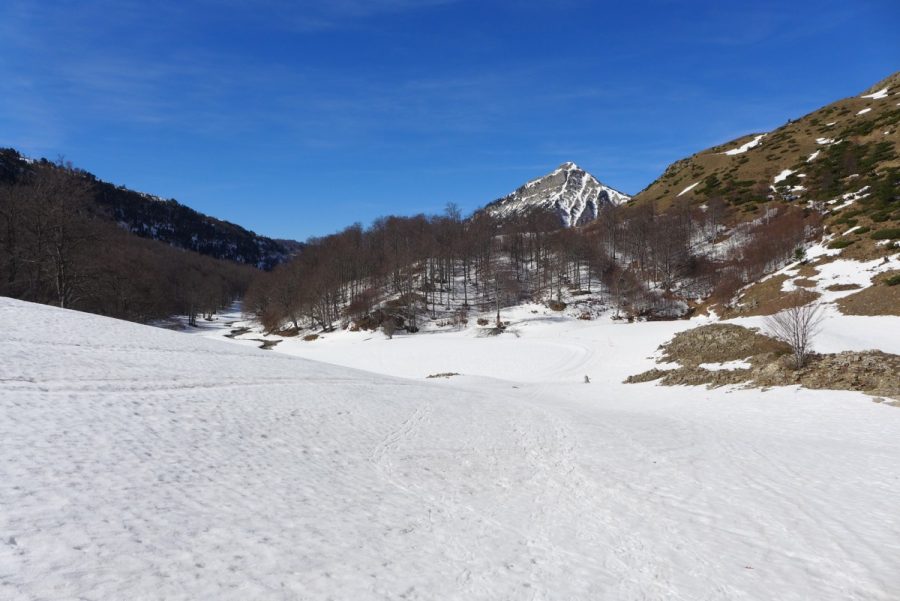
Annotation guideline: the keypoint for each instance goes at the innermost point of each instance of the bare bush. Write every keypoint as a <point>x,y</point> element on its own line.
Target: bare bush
<point>797,326</point>
<point>389,326</point>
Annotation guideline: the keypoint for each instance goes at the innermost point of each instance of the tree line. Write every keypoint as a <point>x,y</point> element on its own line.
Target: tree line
<point>55,248</point>
<point>642,261</point>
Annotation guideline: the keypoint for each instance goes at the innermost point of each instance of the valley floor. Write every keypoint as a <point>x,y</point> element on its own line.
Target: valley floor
<point>141,463</point>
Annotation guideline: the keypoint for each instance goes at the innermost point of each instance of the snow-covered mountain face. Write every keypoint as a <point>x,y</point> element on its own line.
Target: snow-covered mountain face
<point>576,196</point>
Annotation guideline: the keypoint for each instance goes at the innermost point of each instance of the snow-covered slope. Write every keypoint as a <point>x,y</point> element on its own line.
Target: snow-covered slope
<point>572,192</point>
<point>139,463</point>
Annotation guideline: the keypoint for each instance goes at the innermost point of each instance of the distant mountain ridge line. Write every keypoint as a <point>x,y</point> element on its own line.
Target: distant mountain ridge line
<point>149,216</point>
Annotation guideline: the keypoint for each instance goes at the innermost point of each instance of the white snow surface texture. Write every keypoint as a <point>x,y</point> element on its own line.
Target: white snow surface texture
<point>139,463</point>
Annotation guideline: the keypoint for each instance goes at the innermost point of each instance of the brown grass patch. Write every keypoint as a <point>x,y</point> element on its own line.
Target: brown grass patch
<point>843,287</point>
<point>877,299</point>
<point>866,249</point>
<point>805,283</point>
<point>311,337</point>
<point>767,298</point>
<point>808,270</point>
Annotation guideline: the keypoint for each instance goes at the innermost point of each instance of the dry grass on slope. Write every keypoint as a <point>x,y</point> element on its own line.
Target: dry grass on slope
<point>838,149</point>
<point>881,298</point>
<point>766,297</point>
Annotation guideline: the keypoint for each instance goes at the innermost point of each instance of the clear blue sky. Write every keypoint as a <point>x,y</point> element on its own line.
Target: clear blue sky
<point>296,118</point>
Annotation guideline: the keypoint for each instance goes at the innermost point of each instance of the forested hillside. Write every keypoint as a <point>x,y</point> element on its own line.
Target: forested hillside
<point>644,262</point>
<point>164,220</point>
<point>58,246</point>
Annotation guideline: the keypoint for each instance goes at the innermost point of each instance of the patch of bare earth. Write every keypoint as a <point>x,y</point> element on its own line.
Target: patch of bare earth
<point>877,299</point>
<point>842,287</point>
<point>808,270</point>
<point>805,283</point>
<point>767,298</point>
<point>873,372</point>
<point>866,249</point>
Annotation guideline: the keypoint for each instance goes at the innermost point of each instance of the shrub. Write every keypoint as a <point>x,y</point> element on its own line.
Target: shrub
<point>893,280</point>
<point>556,305</point>
<point>892,233</point>
<point>482,321</point>
<point>389,326</point>
<point>310,337</point>
<point>840,243</point>
<point>797,326</point>
<point>368,322</point>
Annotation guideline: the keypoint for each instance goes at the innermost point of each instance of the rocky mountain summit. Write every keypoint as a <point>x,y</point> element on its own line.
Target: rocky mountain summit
<point>573,193</point>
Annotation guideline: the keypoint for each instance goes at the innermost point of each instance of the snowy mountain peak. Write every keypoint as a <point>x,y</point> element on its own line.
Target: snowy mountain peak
<point>575,195</point>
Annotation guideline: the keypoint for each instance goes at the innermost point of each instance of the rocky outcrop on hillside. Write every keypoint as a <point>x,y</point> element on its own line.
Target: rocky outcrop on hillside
<point>722,354</point>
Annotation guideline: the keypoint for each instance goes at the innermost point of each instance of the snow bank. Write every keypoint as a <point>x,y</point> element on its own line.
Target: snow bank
<point>783,175</point>
<point>746,146</point>
<point>882,93</point>
<point>688,189</point>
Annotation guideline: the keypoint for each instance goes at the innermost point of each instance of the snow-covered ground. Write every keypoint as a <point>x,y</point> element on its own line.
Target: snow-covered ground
<point>746,146</point>
<point>140,463</point>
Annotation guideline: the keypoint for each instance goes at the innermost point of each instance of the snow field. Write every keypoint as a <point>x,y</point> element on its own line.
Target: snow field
<point>141,463</point>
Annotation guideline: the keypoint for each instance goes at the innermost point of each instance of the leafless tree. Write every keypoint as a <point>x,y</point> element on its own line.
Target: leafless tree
<point>797,326</point>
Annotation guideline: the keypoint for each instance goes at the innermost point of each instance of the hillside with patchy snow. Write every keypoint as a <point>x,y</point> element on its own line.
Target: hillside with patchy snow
<point>851,146</point>
<point>569,191</point>
<point>142,463</point>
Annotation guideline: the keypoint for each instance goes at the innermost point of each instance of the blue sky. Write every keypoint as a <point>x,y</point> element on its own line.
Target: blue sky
<point>297,118</point>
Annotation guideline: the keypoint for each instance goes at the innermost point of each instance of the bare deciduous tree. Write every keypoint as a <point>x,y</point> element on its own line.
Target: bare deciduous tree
<point>797,326</point>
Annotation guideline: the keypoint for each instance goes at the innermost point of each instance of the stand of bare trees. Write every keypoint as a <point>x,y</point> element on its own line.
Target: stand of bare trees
<point>642,261</point>
<point>54,250</point>
<point>646,262</point>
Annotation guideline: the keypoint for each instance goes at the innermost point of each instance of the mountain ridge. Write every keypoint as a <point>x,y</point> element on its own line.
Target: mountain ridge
<point>837,149</point>
<point>167,220</point>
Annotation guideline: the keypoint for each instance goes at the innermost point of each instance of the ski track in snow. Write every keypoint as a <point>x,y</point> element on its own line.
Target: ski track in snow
<point>140,463</point>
